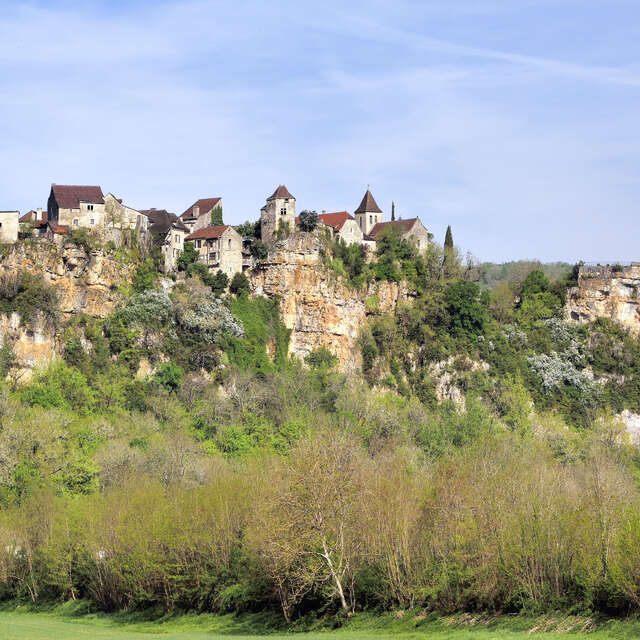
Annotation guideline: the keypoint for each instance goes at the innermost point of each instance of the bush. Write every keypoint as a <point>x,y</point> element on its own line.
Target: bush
<point>145,276</point>
<point>307,220</point>
<point>239,284</point>
<point>321,358</point>
<point>29,296</point>
<point>169,376</point>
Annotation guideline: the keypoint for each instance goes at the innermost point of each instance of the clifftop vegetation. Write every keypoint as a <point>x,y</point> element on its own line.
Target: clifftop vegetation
<point>176,457</point>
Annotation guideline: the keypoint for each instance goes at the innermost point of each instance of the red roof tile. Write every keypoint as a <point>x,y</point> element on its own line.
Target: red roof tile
<point>368,204</point>
<point>58,228</point>
<point>205,205</point>
<point>31,215</point>
<point>70,196</point>
<point>208,232</point>
<point>335,220</point>
<point>281,192</point>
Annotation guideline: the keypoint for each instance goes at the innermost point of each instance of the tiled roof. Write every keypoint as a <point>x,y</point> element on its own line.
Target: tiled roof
<point>368,204</point>
<point>403,226</point>
<point>335,220</point>
<point>281,192</point>
<point>31,215</point>
<point>58,228</point>
<point>205,205</point>
<point>162,221</point>
<point>70,196</point>
<point>208,232</point>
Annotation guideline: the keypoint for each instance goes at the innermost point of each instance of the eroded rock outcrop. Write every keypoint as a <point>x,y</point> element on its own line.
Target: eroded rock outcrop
<point>316,304</point>
<point>86,282</point>
<point>605,292</point>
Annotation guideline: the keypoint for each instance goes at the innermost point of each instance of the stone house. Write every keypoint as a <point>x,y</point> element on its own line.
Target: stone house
<point>411,229</point>
<point>198,215</point>
<point>278,216</point>
<point>343,226</point>
<point>168,233</point>
<point>33,222</point>
<point>219,247</point>
<point>76,207</point>
<point>9,226</point>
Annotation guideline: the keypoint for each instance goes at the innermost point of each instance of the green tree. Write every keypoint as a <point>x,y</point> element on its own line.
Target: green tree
<point>169,376</point>
<point>449,262</point>
<point>259,250</point>
<point>466,311</point>
<point>145,276</point>
<point>308,220</point>
<point>393,210</point>
<point>239,284</point>
<point>188,257</point>
<point>216,217</point>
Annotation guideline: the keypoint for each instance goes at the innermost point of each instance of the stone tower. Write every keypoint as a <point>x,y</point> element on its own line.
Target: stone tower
<point>368,214</point>
<point>278,214</point>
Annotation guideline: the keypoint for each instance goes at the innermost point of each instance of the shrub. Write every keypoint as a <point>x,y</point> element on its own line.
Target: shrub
<point>239,284</point>
<point>259,250</point>
<point>321,358</point>
<point>307,220</point>
<point>145,276</point>
<point>169,376</point>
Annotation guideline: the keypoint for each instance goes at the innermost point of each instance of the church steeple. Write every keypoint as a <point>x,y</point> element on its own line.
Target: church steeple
<point>368,214</point>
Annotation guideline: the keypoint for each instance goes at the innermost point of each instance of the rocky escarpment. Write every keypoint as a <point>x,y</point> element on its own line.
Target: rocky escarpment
<point>85,282</point>
<point>606,292</point>
<point>316,304</point>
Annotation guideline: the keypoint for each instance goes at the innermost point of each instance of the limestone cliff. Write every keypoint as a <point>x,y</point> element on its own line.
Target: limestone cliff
<point>85,283</point>
<point>606,293</point>
<point>316,304</point>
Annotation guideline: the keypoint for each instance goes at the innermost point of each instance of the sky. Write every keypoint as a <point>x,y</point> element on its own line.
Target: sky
<point>514,121</point>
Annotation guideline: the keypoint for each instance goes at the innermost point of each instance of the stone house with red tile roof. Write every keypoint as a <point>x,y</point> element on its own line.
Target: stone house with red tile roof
<point>343,226</point>
<point>219,247</point>
<point>198,215</point>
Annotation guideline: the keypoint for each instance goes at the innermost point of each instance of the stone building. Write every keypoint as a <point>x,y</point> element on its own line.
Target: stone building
<point>33,222</point>
<point>219,247</point>
<point>198,215</point>
<point>278,216</point>
<point>411,229</point>
<point>168,233</point>
<point>368,213</point>
<point>343,226</point>
<point>76,207</point>
<point>9,226</point>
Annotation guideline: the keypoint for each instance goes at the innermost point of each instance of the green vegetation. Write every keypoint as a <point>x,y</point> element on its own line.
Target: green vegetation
<point>176,459</point>
<point>29,296</point>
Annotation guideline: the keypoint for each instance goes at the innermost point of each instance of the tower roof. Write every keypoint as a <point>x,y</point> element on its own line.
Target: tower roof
<point>368,204</point>
<point>281,192</point>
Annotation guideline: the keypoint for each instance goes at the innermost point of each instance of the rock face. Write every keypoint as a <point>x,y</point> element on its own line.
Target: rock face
<point>316,304</point>
<point>85,282</point>
<point>605,293</point>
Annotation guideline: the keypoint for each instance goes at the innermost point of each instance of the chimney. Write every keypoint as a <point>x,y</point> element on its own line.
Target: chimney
<point>324,211</point>
<point>39,214</point>
<point>196,212</point>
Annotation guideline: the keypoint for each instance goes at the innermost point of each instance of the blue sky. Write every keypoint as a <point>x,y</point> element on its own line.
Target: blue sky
<point>515,121</point>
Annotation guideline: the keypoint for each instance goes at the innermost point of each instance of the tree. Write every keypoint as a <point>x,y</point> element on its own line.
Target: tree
<point>449,262</point>
<point>216,217</point>
<point>250,229</point>
<point>308,220</point>
<point>218,282</point>
<point>466,311</point>
<point>259,250</point>
<point>188,257</point>
<point>239,284</point>
<point>169,376</point>
<point>146,276</point>
<point>321,358</point>
<point>393,210</point>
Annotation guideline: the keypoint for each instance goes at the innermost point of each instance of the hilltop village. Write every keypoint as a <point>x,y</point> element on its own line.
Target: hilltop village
<point>219,246</point>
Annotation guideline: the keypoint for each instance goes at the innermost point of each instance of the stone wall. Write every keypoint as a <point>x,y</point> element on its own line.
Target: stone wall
<point>605,293</point>
<point>9,226</point>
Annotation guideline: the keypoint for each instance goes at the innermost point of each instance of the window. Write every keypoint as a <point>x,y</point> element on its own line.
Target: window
<point>90,207</point>
<point>370,219</point>
<point>198,244</point>
<point>283,211</point>
<point>229,243</point>
<point>92,222</point>
<point>75,222</point>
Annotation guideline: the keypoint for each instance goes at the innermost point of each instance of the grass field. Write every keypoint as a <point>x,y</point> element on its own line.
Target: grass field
<point>17,625</point>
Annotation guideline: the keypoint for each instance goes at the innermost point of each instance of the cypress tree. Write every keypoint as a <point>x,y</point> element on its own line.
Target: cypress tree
<point>393,210</point>
<point>448,240</point>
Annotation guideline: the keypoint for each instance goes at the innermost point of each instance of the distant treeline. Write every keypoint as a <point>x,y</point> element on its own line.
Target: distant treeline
<point>492,274</point>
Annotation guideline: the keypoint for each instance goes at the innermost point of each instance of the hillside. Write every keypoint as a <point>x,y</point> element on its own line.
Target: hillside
<point>324,434</point>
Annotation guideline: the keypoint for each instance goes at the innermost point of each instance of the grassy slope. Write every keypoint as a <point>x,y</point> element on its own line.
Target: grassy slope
<point>17,625</point>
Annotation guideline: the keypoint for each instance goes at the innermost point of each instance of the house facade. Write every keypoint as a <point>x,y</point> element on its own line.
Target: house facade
<point>343,226</point>
<point>219,247</point>
<point>278,216</point>
<point>199,214</point>
<point>168,233</point>
<point>411,229</point>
